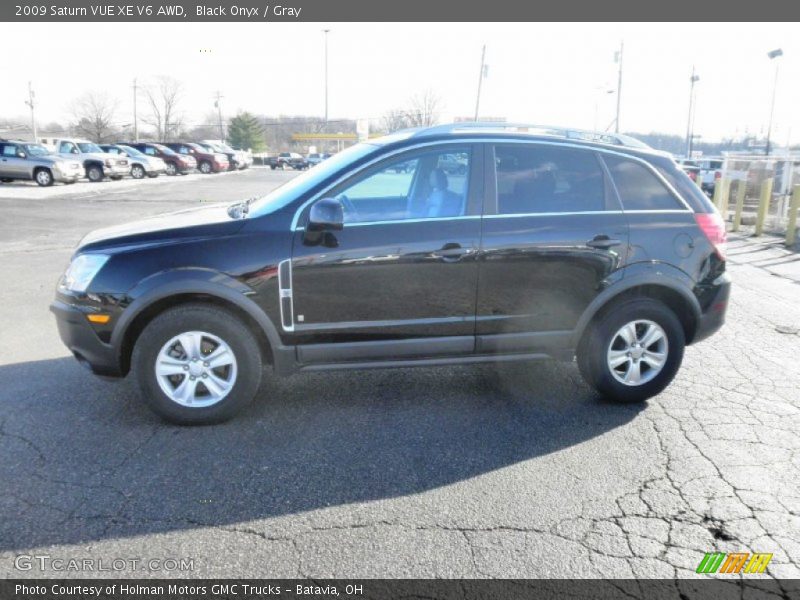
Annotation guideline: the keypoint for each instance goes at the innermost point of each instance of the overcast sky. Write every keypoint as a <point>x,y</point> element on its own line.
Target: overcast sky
<point>539,73</point>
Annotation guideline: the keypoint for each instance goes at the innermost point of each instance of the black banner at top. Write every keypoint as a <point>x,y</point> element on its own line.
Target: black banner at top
<point>256,11</point>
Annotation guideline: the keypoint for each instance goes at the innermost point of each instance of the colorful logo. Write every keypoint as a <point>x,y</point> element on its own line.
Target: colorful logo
<point>735,562</point>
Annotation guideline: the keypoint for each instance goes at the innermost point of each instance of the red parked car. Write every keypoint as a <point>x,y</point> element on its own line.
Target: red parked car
<point>175,163</point>
<point>207,162</point>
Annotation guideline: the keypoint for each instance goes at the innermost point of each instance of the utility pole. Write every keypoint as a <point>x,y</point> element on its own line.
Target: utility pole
<point>326,31</point>
<point>772,55</point>
<point>690,119</point>
<point>30,102</point>
<point>135,118</point>
<point>218,106</point>
<point>481,75</point>
<point>619,84</point>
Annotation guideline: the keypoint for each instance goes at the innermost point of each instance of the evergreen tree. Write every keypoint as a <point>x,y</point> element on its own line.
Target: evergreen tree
<point>245,131</point>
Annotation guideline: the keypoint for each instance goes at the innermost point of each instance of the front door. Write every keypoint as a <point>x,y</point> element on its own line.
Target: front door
<point>404,267</point>
<point>553,233</point>
<point>11,165</point>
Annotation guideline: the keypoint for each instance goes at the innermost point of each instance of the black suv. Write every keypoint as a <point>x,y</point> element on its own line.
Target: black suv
<point>550,244</point>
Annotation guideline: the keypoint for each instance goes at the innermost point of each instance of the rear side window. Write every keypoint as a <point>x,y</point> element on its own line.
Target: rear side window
<point>638,188</point>
<point>547,179</point>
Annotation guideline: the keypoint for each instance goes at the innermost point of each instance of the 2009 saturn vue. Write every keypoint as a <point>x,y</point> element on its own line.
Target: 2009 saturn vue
<point>452,244</point>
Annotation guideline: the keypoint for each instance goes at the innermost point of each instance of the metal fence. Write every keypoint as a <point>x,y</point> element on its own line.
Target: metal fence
<point>750,185</point>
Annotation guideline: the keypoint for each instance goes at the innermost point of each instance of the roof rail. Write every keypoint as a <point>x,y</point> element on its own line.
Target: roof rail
<point>615,139</point>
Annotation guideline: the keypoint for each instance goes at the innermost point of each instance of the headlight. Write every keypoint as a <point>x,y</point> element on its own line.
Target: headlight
<point>81,271</point>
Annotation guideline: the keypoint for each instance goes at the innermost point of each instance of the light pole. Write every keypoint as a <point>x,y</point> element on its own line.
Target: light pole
<point>135,116</point>
<point>30,102</point>
<point>772,55</point>
<point>481,75</point>
<point>326,31</point>
<point>218,106</point>
<point>618,60</point>
<point>690,119</point>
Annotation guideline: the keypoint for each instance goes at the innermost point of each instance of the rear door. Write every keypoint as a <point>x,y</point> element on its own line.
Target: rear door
<point>12,165</point>
<point>553,236</point>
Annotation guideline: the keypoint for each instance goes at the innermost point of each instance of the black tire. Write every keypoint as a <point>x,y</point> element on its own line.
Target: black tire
<point>273,167</point>
<point>138,172</point>
<point>43,177</point>
<point>172,168</point>
<point>205,167</point>
<point>94,173</point>
<point>115,177</point>
<point>593,349</point>
<point>213,320</point>
<point>152,175</point>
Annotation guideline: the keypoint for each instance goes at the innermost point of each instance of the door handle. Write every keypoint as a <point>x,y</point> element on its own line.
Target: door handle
<point>451,252</point>
<point>603,241</point>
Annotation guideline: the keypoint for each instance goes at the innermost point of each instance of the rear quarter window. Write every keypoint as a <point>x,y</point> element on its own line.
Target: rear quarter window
<point>638,187</point>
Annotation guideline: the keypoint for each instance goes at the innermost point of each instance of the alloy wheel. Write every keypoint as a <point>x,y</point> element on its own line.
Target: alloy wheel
<point>637,352</point>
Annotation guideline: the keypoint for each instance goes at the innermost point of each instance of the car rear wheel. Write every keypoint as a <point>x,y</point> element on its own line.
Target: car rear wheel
<point>94,173</point>
<point>633,351</point>
<point>197,364</point>
<point>172,169</point>
<point>43,177</point>
<point>138,172</point>
<point>205,167</point>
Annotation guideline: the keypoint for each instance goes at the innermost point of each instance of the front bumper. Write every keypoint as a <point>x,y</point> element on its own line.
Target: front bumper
<point>116,170</point>
<point>67,176</point>
<point>713,317</point>
<point>80,338</point>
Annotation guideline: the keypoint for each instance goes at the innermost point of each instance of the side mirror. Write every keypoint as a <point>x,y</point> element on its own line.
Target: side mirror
<point>21,154</point>
<point>326,215</point>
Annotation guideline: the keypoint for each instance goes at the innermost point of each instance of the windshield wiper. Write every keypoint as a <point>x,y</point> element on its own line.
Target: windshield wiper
<point>239,210</point>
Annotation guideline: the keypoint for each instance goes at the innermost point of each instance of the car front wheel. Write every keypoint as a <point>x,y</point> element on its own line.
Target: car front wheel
<point>44,177</point>
<point>633,351</point>
<point>94,173</point>
<point>171,169</point>
<point>197,364</point>
<point>137,171</point>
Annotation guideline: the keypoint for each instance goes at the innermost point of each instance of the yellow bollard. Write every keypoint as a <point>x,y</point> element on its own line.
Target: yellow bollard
<point>741,192</point>
<point>724,197</point>
<point>763,205</point>
<point>717,194</point>
<point>791,227</point>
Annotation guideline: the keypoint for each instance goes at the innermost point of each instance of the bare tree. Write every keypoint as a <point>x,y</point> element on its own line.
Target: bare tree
<point>394,120</point>
<point>94,114</point>
<point>424,109</point>
<point>164,98</point>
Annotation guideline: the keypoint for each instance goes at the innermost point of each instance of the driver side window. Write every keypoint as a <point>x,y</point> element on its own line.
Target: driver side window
<point>422,185</point>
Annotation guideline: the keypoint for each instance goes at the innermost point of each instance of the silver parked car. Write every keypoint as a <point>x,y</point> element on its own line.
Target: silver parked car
<point>141,163</point>
<point>27,160</point>
<point>96,163</point>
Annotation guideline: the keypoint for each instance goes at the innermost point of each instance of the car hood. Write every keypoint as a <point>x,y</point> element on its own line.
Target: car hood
<point>198,222</point>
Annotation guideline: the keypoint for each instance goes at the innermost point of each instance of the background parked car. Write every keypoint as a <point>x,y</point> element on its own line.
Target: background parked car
<point>238,158</point>
<point>689,167</point>
<point>174,163</point>
<point>207,161</point>
<point>286,160</point>
<point>316,157</point>
<point>96,163</point>
<point>27,160</point>
<point>141,164</point>
<point>710,172</point>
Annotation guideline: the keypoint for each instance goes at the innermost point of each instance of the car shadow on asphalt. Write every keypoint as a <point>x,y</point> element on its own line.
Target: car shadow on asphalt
<point>84,460</point>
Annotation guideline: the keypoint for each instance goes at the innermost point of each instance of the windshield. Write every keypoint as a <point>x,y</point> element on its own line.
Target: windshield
<point>132,151</point>
<point>89,147</point>
<point>281,196</point>
<point>36,150</point>
<point>165,150</point>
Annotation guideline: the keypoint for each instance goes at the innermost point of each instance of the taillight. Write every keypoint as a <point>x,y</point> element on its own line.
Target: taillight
<point>693,176</point>
<point>717,174</point>
<point>713,228</point>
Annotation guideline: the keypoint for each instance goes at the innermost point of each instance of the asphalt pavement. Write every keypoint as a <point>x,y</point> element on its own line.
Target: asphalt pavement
<point>512,470</point>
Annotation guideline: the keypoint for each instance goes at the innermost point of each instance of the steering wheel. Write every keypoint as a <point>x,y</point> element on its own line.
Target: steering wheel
<point>348,206</point>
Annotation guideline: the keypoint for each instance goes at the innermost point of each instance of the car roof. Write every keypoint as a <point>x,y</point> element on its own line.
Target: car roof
<point>492,129</point>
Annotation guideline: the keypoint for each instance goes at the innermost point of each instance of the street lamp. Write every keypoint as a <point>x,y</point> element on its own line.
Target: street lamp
<point>326,31</point>
<point>690,120</point>
<point>772,54</point>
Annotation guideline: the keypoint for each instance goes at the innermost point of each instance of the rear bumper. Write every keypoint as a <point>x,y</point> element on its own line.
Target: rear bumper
<point>79,337</point>
<point>713,317</point>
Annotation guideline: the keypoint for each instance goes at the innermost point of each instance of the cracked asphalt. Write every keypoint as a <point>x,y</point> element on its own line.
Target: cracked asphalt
<point>515,470</point>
